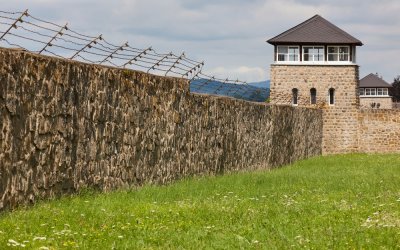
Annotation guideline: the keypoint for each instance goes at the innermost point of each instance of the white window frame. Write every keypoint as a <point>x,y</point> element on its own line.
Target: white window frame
<point>311,96</point>
<point>384,91</point>
<point>297,97</point>
<point>338,54</point>
<point>376,92</point>
<point>288,54</point>
<point>312,55</point>
<point>362,91</point>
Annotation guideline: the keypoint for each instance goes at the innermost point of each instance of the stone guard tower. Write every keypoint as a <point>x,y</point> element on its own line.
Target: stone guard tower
<point>315,66</point>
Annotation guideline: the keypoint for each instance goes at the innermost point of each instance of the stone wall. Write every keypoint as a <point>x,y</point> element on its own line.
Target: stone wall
<point>65,125</point>
<point>384,102</point>
<point>341,119</point>
<point>379,131</point>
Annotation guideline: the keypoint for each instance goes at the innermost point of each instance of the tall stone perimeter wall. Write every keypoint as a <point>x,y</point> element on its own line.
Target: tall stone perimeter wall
<point>66,125</point>
<point>379,131</point>
<point>340,124</point>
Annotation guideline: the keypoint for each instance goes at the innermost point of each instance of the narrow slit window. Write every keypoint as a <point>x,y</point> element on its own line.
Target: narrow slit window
<point>331,96</point>
<point>295,96</point>
<point>313,96</point>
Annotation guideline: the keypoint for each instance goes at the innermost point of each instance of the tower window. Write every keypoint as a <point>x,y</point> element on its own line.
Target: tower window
<point>313,96</point>
<point>295,96</point>
<point>331,96</point>
<point>339,53</point>
<point>313,54</point>
<point>288,53</point>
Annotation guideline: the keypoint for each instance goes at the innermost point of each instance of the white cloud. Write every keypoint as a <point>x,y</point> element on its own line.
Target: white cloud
<point>227,34</point>
<point>251,74</point>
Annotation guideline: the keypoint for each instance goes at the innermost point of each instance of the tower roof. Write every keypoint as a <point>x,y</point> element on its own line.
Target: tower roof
<point>374,81</point>
<point>315,30</point>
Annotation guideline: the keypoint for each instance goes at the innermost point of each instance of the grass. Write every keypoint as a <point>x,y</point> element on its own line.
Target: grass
<point>348,201</point>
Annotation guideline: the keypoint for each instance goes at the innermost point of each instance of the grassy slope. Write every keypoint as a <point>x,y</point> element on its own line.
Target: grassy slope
<point>350,201</point>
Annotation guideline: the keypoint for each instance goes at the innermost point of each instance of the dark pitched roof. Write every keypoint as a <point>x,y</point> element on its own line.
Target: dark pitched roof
<point>373,81</point>
<point>315,30</point>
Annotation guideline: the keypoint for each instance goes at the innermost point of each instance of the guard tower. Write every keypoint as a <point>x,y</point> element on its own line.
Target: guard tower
<point>315,65</point>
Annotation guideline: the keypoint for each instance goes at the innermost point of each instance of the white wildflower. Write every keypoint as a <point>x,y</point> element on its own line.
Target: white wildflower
<point>39,238</point>
<point>13,242</point>
<point>120,236</point>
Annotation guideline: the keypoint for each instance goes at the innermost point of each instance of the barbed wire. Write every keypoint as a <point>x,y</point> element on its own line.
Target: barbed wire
<point>24,31</point>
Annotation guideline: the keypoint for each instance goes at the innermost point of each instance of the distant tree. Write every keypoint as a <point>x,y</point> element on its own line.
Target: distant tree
<point>396,89</point>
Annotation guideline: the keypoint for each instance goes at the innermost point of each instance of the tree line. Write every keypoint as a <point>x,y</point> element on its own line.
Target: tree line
<point>395,91</point>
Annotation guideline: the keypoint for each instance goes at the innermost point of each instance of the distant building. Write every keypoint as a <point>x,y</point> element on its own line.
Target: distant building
<point>315,64</point>
<point>374,93</point>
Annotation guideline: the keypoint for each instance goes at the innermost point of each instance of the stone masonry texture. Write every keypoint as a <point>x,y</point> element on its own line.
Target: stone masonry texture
<point>384,102</point>
<point>340,134</point>
<point>379,131</point>
<point>66,125</point>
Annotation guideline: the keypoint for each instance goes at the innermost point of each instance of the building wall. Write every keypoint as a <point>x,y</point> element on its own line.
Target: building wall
<point>385,102</point>
<point>379,131</point>
<point>65,125</point>
<point>340,120</point>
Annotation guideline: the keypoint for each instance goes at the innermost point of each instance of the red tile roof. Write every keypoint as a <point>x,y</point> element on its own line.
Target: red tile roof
<point>315,30</point>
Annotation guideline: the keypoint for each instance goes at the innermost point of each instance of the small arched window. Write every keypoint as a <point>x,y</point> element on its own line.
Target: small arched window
<point>313,96</point>
<point>331,96</point>
<point>295,96</point>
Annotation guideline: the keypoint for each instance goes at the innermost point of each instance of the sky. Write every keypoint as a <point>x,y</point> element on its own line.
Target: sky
<point>228,35</point>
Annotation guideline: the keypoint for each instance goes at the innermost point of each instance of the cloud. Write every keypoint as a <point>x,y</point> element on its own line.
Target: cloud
<point>251,74</point>
<point>227,34</point>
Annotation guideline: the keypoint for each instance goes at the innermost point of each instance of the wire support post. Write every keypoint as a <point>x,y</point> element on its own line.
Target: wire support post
<point>49,44</point>
<point>198,66</point>
<point>175,63</point>
<point>144,52</point>
<point>14,25</point>
<point>114,52</point>
<point>159,62</point>
<point>89,45</point>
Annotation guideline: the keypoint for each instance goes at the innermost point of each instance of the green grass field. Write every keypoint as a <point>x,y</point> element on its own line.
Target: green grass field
<point>336,202</point>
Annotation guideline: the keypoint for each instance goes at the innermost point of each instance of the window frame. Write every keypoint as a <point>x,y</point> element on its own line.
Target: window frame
<point>338,54</point>
<point>312,54</point>
<point>288,54</point>
<point>376,92</point>
<point>313,96</point>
